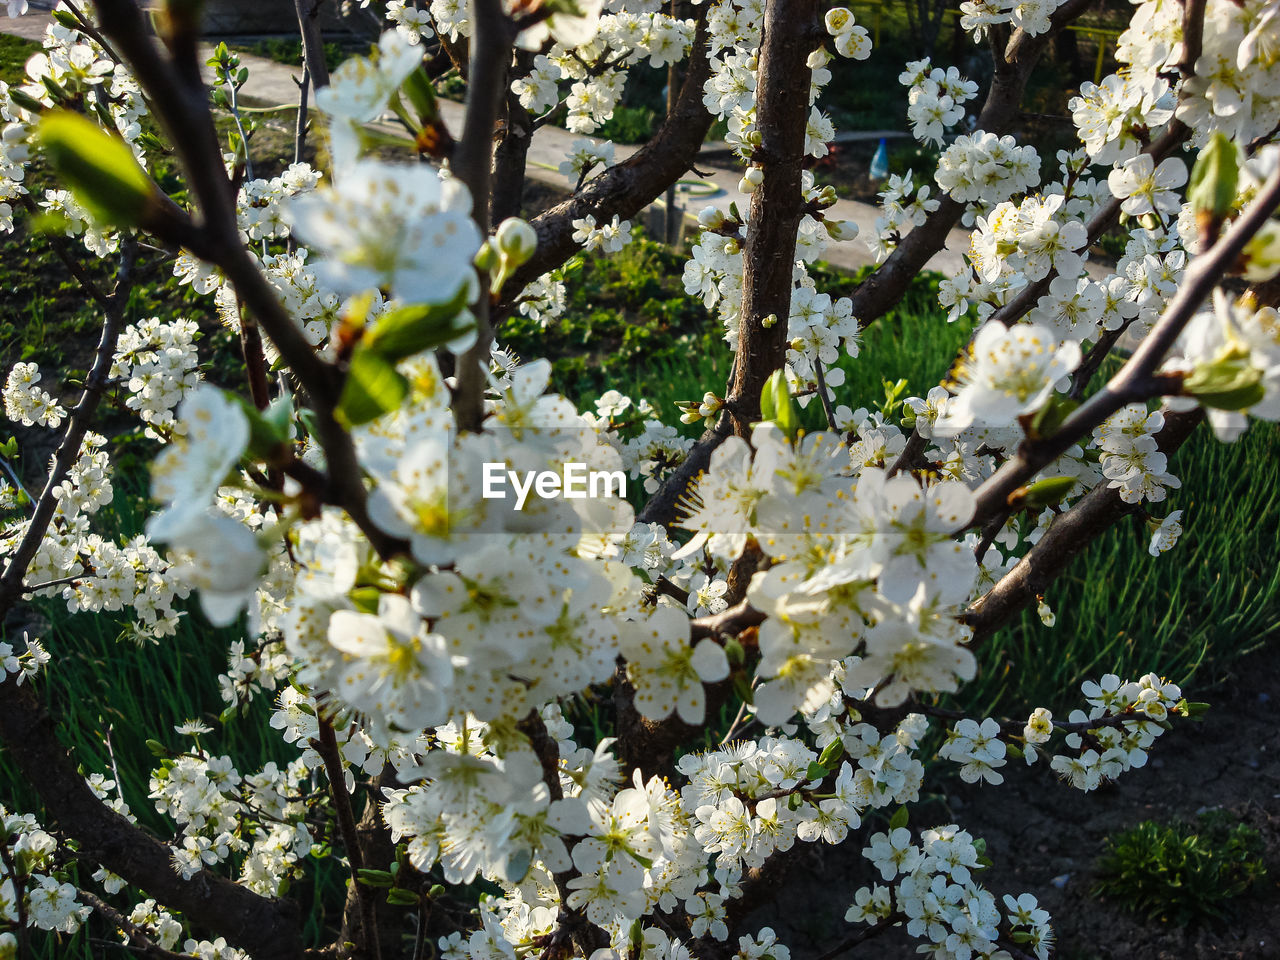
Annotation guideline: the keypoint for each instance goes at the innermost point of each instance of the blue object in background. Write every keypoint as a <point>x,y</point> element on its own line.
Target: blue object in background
<point>880,162</point>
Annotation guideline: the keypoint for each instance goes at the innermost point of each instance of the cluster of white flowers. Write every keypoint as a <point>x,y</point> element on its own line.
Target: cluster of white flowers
<point>158,363</point>
<point>260,204</point>
<point>903,207</point>
<point>448,662</point>
<point>1128,719</point>
<point>1131,459</point>
<point>607,238</point>
<point>210,802</point>
<point>851,40</point>
<point>982,167</point>
<point>584,157</point>
<point>933,884</point>
<point>1235,87</point>
<point>22,665</point>
<point>28,404</point>
<point>71,67</point>
<point>594,63</point>
<point>48,901</point>
<point>936,99</point>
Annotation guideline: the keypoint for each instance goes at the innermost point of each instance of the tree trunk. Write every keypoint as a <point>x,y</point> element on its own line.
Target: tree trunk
<point>790,34</point>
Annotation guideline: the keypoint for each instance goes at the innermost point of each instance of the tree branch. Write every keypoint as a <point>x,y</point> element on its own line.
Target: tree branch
<point>1134,381</point>
<point>789,35</point>
<point>95,384</point>
<point>491,42</point>
<point>1066,538</point>
<point>628,187</point>
<point>267,929</point>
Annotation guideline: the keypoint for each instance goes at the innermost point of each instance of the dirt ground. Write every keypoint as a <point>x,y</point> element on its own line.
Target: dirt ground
<point>1044,837</point>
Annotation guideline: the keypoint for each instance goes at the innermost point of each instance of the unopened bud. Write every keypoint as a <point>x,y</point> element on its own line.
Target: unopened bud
<point>711,218</point>
<point>751,180</point>
<point>487,257</point>
<point>517,241</point>
<point>1214,179</point>
<point>841,229</point>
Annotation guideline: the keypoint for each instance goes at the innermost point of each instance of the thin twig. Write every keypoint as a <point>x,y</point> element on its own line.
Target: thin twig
<point>11,583</point>
<point>1137,379</point>
<point>863,935</point>
<point>825,396</point>
<point>326,744</point>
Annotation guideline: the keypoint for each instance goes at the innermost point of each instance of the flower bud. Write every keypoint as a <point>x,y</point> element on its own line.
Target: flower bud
<point>486,257</point>
<point>517,241</point>
<point>1214,179</point>
<point>1047,616</point>
<point>751,179</point>
<point>1048,492</point>
<point>841,229</point>
<point>711,218</point>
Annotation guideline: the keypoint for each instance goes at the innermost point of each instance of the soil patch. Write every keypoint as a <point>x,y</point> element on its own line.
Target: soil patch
<point>1045,837</point>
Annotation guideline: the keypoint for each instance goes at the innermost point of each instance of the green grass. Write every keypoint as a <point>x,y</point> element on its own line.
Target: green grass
<point>1187,615</point>
<point>14,53</point>
<point>1190,874</point>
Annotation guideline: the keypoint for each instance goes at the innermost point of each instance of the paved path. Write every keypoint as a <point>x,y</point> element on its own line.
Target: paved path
<point>273,83</point>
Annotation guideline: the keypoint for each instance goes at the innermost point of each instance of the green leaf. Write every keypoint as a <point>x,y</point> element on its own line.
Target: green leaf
<point>1238,398</point>
<point>98,167</point>
<point>1047,492</point>
<point>899,818</point>
<point>776,399</point>
<point>1048,419</point>
<point>1229,381</point>
<point>816,771</point>
<point>409,330</point>
<point>365,599</point>
<point>400,897</point>
<point>421,94</point>
<point>26,101</point>
<point>833,752</point>
<point>1214,179</point>
<point>374,878</point>
<point>268,429</point>
<point>157,748</point>
<point>373,387</point>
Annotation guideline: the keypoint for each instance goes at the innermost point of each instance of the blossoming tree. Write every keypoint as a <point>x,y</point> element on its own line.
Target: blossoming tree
<point>419,641</point>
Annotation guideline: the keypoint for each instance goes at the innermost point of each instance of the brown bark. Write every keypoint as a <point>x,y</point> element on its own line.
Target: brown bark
<point>267,929</point>
<point>628,187</point>
<point>790,33</point>
<point>1066,539</point>
<point>510,157</point>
